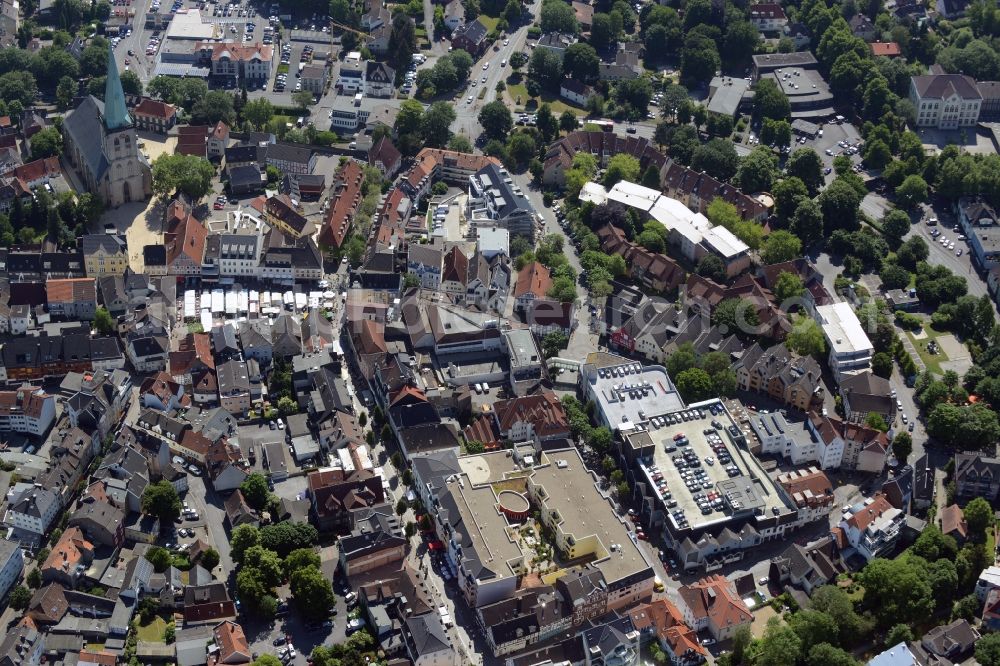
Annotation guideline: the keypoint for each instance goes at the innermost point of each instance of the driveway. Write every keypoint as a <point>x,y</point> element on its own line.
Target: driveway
<point>212,518</point>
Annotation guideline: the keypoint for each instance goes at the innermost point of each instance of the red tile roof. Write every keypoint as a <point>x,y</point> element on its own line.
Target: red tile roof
<point>535,279</point>
<point>543,411</point>
<point>715,598</point>
<point>887,49</point>
<point>343,203</point>
<point>185,234</point>
<point>867,515</point>
<point>71,290</point>
<point>155,108</point>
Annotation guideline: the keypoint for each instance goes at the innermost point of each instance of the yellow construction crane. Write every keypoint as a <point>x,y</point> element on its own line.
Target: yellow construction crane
<point>362,35</point>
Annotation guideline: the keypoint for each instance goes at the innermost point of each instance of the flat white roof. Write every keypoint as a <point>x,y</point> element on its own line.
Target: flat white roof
<point>680,219</point>
<point>633,195</point>
<point>594,193</point>
<point>493,239</point>
<point>725,242</point>
<point>842,328</point>
<point>187,24</point>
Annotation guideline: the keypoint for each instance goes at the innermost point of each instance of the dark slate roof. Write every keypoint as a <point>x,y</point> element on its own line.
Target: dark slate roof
<point>244,176</point>
<point>84,124</point>
<point>940,86</point>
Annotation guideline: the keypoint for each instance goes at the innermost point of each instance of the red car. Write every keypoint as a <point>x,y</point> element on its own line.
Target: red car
<point>218,205</point>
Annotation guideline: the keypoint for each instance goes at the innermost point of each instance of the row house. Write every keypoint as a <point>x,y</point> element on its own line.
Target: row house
<point>342,206</point>
<point>44,356</point>
<point>860,448</point>
<point>810,490</point>
<point>104,254</point>
<point>653,270</point>
<point>787,378</point>
<point>28,410</point>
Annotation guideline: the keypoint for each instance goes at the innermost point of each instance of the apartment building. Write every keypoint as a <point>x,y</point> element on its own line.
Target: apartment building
<point>27,410</point>
<point>104,254</point>
<point>872,527</point>
<point>850,349</point>
<point>788,378</point>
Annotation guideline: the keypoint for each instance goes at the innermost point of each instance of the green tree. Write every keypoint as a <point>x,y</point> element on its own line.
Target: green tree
<point>882,364</point>
<point>758,171</point>
<point>769,101</point>
<point>780,645</point>
<point>19,597</point>
<point>699,58</point>
<point>496,120</point>
<point>621,167</point>
<point>736,315</point>
<point>978,515</point>
<point>65,91</point>
<point>788,193</point>
<point>553,343</point>
<point>912,191</point>
<point>988,650</point>
<point>189,174</point>
<point>284,537</point>
<point>694,385</point>
<point>402,42</point>
<point>568,121</point>
<point>160,499</point>
<point>717,157</point>
<point>812,627</point>
<point>839,203</point>
<point>312,592</point>
<point>436,124</point>
<point>806,337</point>
<point>806,165</point>
<point>788,285</point>
<point>46,143</point>
<point>103,322</point>
<point>243,538</point>
<point>825,654</point>
<point>558,17</point>
<point>303,99</point>
<point>300,559</point>
<point>896,591</point>
<point>255,490</point>
<point>216,105</point>
<point>210,558</point>
<point>581,62</point>
<point>711,266</point>
<point>781,246</point>
<point>877,422</point>
<point>258,112</point>
<point>34,578</point>
<point>902,446</point>
<point>160,558</point>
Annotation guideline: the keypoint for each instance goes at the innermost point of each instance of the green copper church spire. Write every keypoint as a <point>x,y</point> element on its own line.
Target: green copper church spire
<point>115,112</point>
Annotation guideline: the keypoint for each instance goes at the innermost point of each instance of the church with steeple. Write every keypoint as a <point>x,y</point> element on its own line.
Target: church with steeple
<point>101,143</point>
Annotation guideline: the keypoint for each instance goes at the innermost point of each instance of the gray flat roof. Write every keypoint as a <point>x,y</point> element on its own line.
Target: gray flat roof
<point>774,60</point>
<point>628,393</point>
<point>752,489</point>
<point>571,490</point>
<point>729,93</point>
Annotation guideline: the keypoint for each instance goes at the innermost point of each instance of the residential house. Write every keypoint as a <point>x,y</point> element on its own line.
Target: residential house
<point>207,604</point>
<point>472,37</point>
<point>100,521</point>
<point>850,349</point>
<point>11,565</point>
<point>153,115</point>
<point>454,14</point>
<point>234,386</point>
<point>23,644</point>
<point>810,490</point>
<point>977,475</point>
<point>48,605</point>
<point>245,180</point>
<point>848,445</point>
<point>232,644</point>
<point>284,215</point>
<point>425,262</point>
<point>72,299</point>
<point>104,254</point>
<point>250,63</point>
<point>712,604</point>
<point>981,224</point>
<point>336,494</point>
<point>864,394</point>
<point>68,559</point>
<point>808,567</point>
<point>379,79</point>
<point>31,510</point>
<point>538,418</point>
<point>291,158</point>
<point>184,240</point>
<point>385,157</point>
<point>893,50</point>
<point>952,522</point>
<point>575,91</point>
<point>375,542</point>
<point>427,642</point>
<point>495,201</point>
<point>862,27</point>
<point>314,78</point>
<point>28,410</point>
<point>662,620</point>
<point>238,512</point>
<point>556,42</point>
<point>872,527</point>
<point>342,205</point>
<point>602,145</point>
<point>768,17</point>
<point>949,643</point>
<point>793,380</point>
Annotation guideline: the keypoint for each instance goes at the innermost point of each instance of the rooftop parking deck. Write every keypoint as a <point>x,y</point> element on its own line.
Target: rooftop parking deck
<point>698,471</point>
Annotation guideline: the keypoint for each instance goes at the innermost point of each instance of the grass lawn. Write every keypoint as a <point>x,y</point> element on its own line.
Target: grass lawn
<point>153,632</point>
<point>932,361</point>
<point>95,647</point>
<point>991,539</point>
<point>558,106</point>
<point>489,21</point>
<point>282,69</point>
